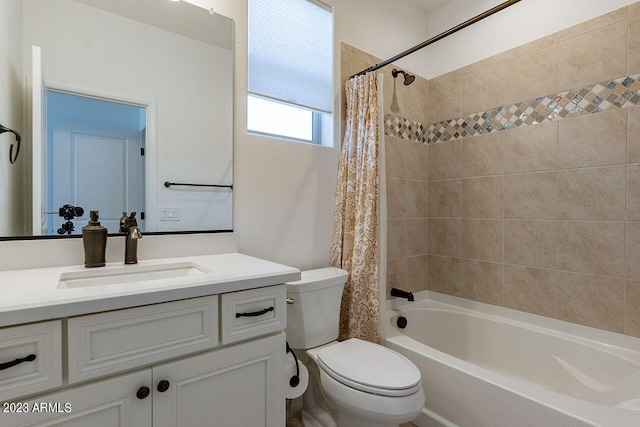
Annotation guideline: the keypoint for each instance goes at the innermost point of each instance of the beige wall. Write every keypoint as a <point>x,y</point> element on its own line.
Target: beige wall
<point>542,218</point>
<point>284,191</point>
<point>521,23</point>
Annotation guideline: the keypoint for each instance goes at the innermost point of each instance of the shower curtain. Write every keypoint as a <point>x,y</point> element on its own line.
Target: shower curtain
<point>357,224</point>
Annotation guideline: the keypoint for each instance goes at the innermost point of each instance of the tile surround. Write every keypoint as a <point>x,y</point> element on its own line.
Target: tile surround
<point>530,289</point>
<point>609,95</point>
<point>404,128</point>
<point>632,308</point>
<point>591,300</point>
<point>482,281</point>
<point>562,238</point>
<point>603,96</point>
<point>532,205</point>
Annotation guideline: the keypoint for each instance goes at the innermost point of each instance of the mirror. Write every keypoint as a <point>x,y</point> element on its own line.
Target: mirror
<point>169,66</point>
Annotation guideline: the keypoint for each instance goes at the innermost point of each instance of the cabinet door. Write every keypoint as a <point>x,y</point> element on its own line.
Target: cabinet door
<point>109,403</point>
<point>238,386</point>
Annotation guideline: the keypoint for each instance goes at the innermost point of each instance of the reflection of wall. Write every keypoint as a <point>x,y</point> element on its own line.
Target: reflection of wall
<point>88,48</point>
<point>11,188</point>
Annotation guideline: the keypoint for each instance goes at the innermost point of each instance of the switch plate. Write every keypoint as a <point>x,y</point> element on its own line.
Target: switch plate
<point>169,213</point>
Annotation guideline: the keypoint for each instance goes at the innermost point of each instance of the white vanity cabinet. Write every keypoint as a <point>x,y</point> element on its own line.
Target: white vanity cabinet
<point>107,403</point>
<point>30,358</point>
<point>165,365</point>
<point>236,386</point>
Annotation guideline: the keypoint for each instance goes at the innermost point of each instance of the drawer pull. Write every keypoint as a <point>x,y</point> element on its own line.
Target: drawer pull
<point>7,365</point>
<point>163,386</point>
<point>143,392</point>
<point>254,313</point>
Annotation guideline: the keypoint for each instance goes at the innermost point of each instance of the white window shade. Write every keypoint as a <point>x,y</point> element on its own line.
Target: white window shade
<point>291,52</point>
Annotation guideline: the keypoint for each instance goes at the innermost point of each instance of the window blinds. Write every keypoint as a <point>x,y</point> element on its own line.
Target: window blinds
<point>291,52</point>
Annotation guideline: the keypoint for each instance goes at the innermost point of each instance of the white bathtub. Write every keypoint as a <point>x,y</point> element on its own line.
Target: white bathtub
<point>484,365</point>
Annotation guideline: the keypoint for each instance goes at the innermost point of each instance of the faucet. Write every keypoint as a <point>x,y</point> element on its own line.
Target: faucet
<point>402,294</point>
<point>129,226</point>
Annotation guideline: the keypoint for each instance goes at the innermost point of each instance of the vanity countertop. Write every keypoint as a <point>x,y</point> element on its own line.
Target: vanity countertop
<point>35,294</point>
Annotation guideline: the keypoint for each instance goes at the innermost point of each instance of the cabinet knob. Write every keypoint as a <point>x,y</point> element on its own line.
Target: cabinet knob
<point>143,392</point>
<point>163,386</point>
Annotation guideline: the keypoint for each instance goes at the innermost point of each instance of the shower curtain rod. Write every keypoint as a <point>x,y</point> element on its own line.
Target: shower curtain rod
<point>440,36</point>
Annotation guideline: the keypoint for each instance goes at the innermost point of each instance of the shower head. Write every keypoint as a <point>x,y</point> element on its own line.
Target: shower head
<point>408,78</point>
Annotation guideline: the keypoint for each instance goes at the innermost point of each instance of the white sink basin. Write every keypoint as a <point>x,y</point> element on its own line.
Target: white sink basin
<point>129,274</point>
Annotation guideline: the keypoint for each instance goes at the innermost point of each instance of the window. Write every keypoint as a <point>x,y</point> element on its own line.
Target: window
<point>290,68</point>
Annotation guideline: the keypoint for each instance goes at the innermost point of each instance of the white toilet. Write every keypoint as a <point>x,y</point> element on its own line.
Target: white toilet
<point>353,383</point>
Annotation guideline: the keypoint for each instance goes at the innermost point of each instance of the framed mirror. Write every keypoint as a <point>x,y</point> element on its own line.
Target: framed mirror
<point>129,109</point>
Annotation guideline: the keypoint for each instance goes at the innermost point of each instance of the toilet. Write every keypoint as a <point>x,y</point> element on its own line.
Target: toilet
<point>353,383</point>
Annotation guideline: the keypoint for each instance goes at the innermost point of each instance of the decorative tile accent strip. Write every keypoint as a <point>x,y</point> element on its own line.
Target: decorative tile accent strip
<point>603,96</point>
<point>405,128</point>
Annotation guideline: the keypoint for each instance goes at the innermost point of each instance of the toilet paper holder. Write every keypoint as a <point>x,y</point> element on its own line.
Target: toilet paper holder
<point>294,380</point>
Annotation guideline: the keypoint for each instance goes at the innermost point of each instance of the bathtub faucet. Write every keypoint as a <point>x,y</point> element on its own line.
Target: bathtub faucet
<point>402,294</point>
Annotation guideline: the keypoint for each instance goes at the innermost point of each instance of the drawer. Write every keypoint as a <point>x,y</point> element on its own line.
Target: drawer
<point>105,343</point>
<point>42,340</point>
<point>253,313</point>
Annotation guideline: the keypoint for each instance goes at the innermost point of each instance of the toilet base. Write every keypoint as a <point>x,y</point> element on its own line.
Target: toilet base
<point>347,420</point>
<point>315,410</point>
<point>318,420</point>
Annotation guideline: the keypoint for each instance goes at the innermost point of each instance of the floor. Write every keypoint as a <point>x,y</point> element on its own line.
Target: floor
<point>295,422</point>
<point>294,419</point>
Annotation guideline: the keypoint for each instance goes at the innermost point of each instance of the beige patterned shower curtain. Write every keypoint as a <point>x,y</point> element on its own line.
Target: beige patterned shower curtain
<point>355,237</point>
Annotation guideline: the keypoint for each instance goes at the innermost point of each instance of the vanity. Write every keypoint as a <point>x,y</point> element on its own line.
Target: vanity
<point>193,341</point>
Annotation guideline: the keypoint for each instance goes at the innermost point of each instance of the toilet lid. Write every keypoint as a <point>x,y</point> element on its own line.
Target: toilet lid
<point>370,367</point>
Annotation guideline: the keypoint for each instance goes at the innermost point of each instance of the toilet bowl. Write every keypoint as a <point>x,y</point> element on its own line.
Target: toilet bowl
<point>353,383</point>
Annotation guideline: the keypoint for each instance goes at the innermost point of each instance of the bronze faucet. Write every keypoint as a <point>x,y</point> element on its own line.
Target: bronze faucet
<point>129,226</point>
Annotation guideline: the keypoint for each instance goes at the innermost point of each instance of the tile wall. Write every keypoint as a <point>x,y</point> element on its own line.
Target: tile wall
<point>542,215</point>
<point>535,212</point>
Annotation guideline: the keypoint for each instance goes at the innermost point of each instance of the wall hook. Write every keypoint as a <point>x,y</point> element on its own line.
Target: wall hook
<point>12,156</point>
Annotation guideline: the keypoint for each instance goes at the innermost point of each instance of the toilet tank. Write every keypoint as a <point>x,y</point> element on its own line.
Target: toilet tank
<point>314,316</point>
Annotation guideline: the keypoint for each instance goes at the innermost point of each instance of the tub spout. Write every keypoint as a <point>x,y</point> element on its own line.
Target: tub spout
<point>402,294</point>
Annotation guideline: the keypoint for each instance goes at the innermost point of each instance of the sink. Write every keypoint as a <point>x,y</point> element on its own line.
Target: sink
<point>129,274</point>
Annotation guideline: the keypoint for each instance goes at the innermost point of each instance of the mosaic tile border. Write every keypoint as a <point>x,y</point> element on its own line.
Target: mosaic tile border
<point>604,96</point>
<point>403,128</point>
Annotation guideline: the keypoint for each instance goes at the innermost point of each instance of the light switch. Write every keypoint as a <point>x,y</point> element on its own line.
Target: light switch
<point>169,213</point>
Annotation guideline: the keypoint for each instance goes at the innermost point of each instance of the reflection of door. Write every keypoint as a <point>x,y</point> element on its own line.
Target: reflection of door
<point>97,170</point>
<point>96,159</point>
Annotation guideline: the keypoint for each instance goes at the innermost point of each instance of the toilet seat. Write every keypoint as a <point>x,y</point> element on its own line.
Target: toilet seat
<point>370,368</point>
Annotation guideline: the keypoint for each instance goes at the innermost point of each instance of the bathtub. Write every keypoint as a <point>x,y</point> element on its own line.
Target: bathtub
<point>484,365</point>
